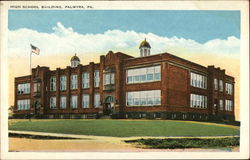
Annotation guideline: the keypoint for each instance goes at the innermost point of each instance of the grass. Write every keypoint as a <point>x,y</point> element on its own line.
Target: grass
<point>172,143</point>
<point>124,128</point>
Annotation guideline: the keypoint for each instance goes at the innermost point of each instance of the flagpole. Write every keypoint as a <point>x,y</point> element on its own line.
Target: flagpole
<point>30,65</point>
<point>30,85</point>
<point>35,50</point>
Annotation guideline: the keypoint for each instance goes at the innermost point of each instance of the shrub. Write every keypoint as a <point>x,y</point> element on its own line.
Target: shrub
<point>172,143</point>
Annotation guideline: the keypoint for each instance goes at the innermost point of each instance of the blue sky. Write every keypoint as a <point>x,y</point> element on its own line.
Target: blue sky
<point>200,26</point>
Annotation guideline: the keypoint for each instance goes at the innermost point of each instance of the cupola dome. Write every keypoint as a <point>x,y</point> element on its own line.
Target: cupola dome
<point>144,48</point>
<point>75,61</point>
<point>144,43</point>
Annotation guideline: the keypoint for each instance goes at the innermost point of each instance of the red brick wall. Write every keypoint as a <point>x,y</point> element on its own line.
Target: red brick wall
<point>178,86</point>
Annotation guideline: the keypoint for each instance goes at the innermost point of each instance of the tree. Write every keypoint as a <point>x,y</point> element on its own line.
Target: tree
<point>11,110</point>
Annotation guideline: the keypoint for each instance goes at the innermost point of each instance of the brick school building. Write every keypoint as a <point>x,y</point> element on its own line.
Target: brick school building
<point>121,86</point>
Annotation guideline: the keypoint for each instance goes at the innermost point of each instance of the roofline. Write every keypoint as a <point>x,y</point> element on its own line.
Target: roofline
<point>230,77</point>
<point>131,57</point>
<point>22,77</point>
<point>120,53</point>
<point>54,70</point>
<point>185,60</point>
<point>171,55</point>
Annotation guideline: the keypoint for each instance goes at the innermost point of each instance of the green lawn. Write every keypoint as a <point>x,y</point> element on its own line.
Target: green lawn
<point>123,128</point>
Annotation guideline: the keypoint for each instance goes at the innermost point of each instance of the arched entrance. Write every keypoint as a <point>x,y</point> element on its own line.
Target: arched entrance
<point>108,105</point>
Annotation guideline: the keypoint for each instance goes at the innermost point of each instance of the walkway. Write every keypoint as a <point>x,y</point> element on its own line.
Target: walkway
<point>89,143</point>
<point>105,138</point>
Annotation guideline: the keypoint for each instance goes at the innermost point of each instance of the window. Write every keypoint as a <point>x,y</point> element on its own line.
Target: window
<point>173,116</point>
<point>23,104</point>
<point>198,80</point>
<point>73,102</point>
<point>229,88</point>
<point>85,102</point>
<point>141,75</point>
<point>97,100</point>
<point>112,78</point>
<point>109,78</point>
<point>63,81</point>
<point>215,84</point>
<point>85,80</point>
<point>221,85</point>
<point>150,74</point>
<point>157,73</point>
<point>144,51</point>
<point>130,76</point>
<point>74,81</point>
<point>229,105</point>
<point>53,84</point>
<point>63,100</point>
<point>36,87</point>
<point>198,101</point>
<point>144,98</point>
<point>184,116</point>
<point>23,88</point>
<point>96,79</point>
<point>52,102</point>
<point>221,104</point>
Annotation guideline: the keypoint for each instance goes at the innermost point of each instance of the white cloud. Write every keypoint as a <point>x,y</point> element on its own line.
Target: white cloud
<point>67,41</point>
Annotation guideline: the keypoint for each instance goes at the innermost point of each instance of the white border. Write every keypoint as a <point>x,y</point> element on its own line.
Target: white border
<point>243,6</point>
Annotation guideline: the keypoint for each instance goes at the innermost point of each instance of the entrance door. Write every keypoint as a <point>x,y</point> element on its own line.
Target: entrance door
<point>37,107</point>
<point>108,105</point>
<point>215,110</point>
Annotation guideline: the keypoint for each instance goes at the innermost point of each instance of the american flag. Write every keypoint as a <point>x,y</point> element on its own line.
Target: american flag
<point>35,49</point>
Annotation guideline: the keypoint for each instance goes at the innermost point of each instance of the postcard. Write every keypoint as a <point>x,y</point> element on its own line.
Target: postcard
<point>124,79</point>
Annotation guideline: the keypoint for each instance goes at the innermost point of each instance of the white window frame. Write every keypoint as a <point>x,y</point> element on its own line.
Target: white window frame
<point>221,85</point>
<point>73,81</point>
<point>112,78</point>
<point>215,84</point>
<point>85,100</point>
<point>74,102</point>
<point>198,80</point>
<point>135,75</point>
<point>53,83</point>
<point>37,87</point>
<point>198,101</point>
<point>63,102</point>
<point>85,80</point>
<point>23,104</point>
<point>97,100</point>
<point>229,88</point>
<point>23,88</point>
<point>109,78</point>
<point>228,105</point>
<point>63,83</point>
<point>143,98</point>
<point>221,105</point>
<point>52,102</point>
<point>96,78</point>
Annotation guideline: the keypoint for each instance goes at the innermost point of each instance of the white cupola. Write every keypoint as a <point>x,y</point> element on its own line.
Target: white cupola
<point>75,61</point>
<point>144,48</point>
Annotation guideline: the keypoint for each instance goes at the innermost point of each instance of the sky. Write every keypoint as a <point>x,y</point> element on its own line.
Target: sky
<point>200,26</point>
<point>204,37</point>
